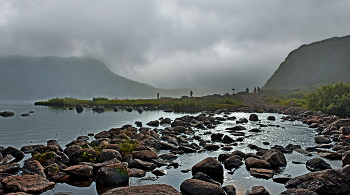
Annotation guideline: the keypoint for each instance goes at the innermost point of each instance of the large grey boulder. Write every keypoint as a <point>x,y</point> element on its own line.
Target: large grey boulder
<point>253,162</point>
<point>317,164</point>
<point>211,167</point>
<point>257,190</point>
<point>31,184</point>
<point>275,157</point>
<point>154,189</point>
<point>79,170</point>
<point>325,182</point>
<point>33,167</point>
<point>108,154</point>
<point>199,187</point>
<point>112,175</point>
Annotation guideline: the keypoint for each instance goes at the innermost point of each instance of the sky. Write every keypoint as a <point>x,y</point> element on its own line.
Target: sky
<point>173,43</point>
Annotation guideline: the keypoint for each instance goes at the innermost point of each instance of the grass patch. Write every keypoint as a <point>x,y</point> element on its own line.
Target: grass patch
<point>185,104</point>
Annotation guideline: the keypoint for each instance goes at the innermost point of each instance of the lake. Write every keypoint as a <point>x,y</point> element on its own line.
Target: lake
<point>66,125</point>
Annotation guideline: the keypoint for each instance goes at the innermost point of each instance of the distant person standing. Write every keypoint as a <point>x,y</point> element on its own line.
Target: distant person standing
<point>233,91</point>
<point>191,93</point>
<point>247,90</point>
<point>255,91</point>
<point>158,95</point>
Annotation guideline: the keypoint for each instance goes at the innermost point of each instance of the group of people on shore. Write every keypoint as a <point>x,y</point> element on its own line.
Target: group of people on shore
<point>256,90</point>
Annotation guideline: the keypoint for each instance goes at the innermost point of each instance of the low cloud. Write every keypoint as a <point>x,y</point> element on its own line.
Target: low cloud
<point>173,44</point>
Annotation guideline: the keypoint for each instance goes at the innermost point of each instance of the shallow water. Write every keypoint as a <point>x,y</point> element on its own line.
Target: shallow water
<point>65,125</point>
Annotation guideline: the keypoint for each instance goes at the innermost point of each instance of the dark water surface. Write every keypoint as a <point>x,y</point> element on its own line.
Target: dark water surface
<point>65,125</point>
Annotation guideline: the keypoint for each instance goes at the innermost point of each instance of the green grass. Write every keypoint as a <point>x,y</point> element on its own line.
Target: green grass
<point>285,98</point>
<point>194,104</point>
<point>128,147</point>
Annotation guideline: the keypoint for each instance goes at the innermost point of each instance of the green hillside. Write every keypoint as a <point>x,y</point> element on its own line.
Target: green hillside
<point>320,63</point>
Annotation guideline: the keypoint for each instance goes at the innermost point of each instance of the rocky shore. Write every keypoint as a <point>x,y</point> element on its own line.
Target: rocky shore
<point>115,155</point>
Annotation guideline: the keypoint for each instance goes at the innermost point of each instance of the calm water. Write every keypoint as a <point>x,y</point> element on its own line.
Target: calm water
<point>65,125</point>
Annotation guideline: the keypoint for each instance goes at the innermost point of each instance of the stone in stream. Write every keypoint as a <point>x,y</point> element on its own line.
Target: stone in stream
<point>233,162</point>
<point>252,162</point>
<point>261,173</point>
<point>211,167</point>
<point>154,189</point>
<point>328,182</point>
<point>79,170</point>
<point>257,190</point>
<point>19,155</point>
<point>298,192</point>
<point>145,155</point>
<point>108,154</point>
<point>32,184</point>
<point>133,172</point>
<point>253,117</point>
<point>196,186</point>
<point>275,157</point>
<point>317,164</point>
<point>33,167</point>
<point>112,175</point>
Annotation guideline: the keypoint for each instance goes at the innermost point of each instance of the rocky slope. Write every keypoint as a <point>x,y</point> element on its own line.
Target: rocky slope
<point>313,65</point>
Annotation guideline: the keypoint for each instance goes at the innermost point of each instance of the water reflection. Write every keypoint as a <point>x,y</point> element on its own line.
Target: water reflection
<point>64,125</point>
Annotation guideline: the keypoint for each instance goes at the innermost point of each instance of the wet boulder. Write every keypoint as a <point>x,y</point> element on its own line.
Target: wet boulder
<point>252,162</point>
<point>253,117</point>
<point>17,154</point>
<point>298,192</point>
<point>257,190</point>
<point>7,114</point>
<point>108,154</point>
<point>196,186</point>
<point>211,167</point>
<point>79,170</point>
<point>112,175</point>
<point>317,164</point>
<point>153,189</point>
<point>145,155</point>
<point>33,167</point>
<point>271,118</point>
<point>261,173</point>
<point>211,147</point>
<point>229,189</point>
<point>216,137</point>
<point>233,162</point>
<point>31,184</point>
<point>275,157</point>
<point>326,182</point>
<point>322,140</point>
<point>204,177</point>
<point>133,172</point>
<point>79,108</point>
<point>136,163</point>
<point>154,123</point>
<point>227,139</point>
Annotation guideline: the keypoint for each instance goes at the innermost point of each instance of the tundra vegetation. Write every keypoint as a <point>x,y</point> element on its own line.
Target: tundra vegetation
<point>331,99</point>
<point>197,103</point>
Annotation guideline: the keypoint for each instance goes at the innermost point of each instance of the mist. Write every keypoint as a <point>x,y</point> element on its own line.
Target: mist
<point>173,44</point>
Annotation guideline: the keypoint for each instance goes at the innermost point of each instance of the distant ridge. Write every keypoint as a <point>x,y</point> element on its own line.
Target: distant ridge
<point>313,65</point>
<point>41,78</point>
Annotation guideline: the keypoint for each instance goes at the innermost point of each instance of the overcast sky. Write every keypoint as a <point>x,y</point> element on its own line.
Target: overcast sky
<point>173,44</point>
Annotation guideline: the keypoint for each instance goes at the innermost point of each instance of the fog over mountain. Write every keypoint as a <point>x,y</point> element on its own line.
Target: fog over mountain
<point>173,44</point>
<point>41,78</point>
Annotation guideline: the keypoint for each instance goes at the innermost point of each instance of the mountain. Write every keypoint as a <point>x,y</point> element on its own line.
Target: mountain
<point>41,78</point>
<point>313,65</point>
